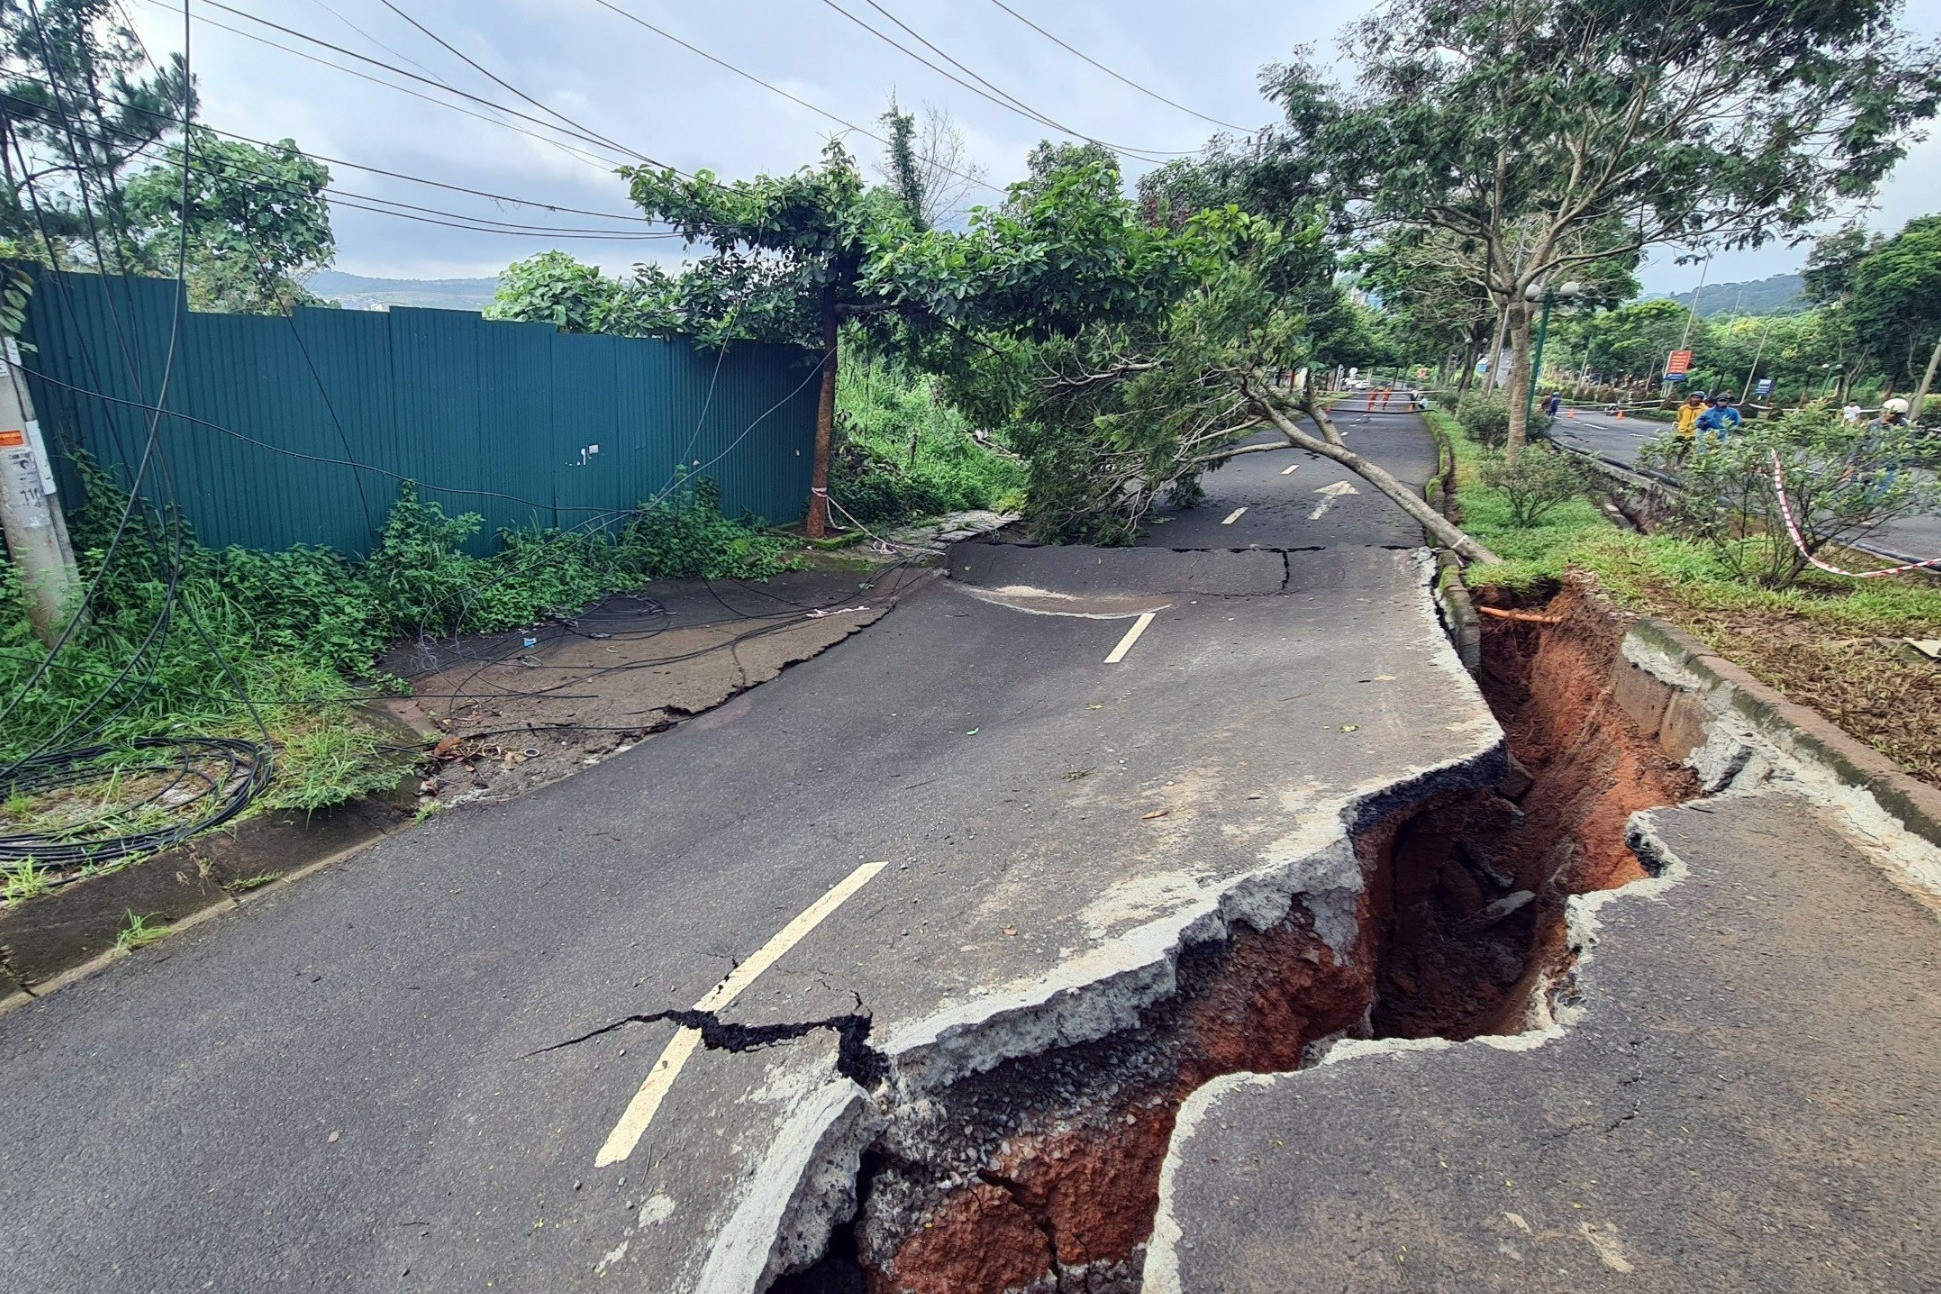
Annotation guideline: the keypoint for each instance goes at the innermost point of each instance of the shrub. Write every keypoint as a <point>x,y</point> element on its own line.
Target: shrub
<point>1487,420</point>
<point>1841,481</point>
<point>1538,481</point>
<point>903,451</point>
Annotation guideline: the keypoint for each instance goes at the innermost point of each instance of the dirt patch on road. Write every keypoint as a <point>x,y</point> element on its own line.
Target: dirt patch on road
<point>519,710</point>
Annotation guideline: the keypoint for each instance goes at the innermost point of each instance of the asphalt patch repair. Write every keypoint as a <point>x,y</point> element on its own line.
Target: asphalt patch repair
<point>1043,1174</point>
<point>518,710</point>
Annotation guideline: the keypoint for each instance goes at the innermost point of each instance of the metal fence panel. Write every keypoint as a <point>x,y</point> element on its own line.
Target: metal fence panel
<point>303,430</point>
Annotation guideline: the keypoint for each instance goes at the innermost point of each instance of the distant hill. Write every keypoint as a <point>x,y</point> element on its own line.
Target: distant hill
<point>1779,294</point>
<point>355,292</point>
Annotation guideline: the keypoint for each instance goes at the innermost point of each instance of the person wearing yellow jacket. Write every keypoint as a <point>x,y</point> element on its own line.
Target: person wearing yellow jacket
<point>1687,429</point>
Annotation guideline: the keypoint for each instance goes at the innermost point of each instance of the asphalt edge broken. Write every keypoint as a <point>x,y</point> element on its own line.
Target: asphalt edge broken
<point>791,1207</point>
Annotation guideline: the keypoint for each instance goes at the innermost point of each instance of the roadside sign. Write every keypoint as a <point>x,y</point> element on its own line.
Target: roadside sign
<point>1763,387</point>
<point>1678,364</point>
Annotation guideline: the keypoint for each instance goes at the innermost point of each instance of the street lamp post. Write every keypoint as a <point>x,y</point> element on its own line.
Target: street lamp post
<point>1567,293</point>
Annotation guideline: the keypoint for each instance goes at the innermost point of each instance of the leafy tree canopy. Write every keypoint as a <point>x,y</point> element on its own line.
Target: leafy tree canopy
<point>78,102</point>
<point>1543,136</point>
<point>257,222</point>
<point>1894,307</point>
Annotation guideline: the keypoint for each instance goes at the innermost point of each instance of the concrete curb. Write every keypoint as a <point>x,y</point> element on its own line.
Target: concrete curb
<point>1701,682</point>
<point>1726,690</point>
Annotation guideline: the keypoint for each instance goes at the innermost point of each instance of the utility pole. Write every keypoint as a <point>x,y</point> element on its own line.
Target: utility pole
<point>1927,380</point>
<point>30,510</point>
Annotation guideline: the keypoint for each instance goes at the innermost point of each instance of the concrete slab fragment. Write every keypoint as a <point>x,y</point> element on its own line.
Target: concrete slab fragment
<point>1736,1105</point>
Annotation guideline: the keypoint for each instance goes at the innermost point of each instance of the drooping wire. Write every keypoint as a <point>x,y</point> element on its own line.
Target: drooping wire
<point>776,89</point>
<point>1126,80</point>
<point>986,90</point>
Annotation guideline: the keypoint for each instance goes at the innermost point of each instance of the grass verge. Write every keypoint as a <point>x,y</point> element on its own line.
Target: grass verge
<point>1829,642</point>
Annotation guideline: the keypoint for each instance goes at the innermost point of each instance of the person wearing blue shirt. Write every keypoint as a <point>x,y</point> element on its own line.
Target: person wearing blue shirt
<point>1721,419</point>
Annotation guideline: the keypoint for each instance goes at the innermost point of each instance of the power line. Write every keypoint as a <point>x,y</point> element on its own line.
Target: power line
<point>1150,94</point>
<point>364,166</point>
<point>1001,98</point>
<point>411,76</point>
<point>504,84</point>
<point>407,210</point>
<point>773,88</point>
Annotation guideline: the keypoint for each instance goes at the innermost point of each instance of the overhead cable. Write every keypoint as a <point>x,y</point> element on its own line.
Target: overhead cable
<point>986,90</point>
<point>1126,80</point>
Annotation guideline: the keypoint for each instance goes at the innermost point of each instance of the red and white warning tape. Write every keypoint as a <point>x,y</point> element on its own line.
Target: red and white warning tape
<point>1792,529</point>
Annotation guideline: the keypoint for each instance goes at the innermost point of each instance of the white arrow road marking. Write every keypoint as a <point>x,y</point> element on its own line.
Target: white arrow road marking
<point>1233,516</point>
<point>1132,636</point>
<point>1329,494</point>
<point>1289,471</point>
<point>640,1111</point>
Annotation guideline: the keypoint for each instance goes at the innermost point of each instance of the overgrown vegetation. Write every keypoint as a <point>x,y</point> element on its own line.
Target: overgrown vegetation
<point>1826,641</point>
<point>905,451</point>
<point>1842,479</point>
<point>179,634</point>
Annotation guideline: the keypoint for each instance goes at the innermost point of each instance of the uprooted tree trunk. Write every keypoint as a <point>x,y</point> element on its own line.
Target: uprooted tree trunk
<point>1265,401</point>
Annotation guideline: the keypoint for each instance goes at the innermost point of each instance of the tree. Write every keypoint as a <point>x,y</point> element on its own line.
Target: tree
<point>789,250</point>
<point>257,221</point>
<point>1545,135</point>
<point>554,288</point>
<point>1129,357</point>
<point>1894,307</point>
<point>78,102</point>
<point>935,175</point>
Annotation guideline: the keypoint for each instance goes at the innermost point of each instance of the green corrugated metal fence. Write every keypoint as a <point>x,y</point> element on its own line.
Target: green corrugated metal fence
<point>303,430</point>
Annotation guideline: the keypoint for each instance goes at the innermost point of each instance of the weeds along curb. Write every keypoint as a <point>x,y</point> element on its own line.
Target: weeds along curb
<point>42,939</point>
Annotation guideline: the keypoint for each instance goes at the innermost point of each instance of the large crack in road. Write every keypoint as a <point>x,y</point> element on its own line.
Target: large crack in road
<point>1043,1172</point>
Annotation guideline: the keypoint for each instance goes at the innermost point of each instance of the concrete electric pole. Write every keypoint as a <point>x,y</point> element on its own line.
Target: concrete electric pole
<point>30,510</point>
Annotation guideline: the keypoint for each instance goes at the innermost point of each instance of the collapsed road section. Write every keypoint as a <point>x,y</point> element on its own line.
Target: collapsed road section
<point>1447,921</point>
<point>1156,883</point>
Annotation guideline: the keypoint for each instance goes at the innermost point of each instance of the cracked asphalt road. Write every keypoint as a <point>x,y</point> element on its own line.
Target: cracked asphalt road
<point>334,1088</point>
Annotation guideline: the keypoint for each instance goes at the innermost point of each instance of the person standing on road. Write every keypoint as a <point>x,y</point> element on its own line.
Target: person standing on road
<point>1553,404</point>
<point>1686,431</point>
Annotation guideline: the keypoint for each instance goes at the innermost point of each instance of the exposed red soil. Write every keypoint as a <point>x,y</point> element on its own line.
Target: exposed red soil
<point>1075,1201</point>
<point>1084,1197</point>
<point>1551,687</point>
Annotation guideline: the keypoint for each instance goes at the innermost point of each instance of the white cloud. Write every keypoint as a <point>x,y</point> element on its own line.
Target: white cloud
<point>632,86</point>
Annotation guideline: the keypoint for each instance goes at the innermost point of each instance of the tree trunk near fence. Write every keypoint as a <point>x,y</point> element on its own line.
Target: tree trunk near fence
<point>825,423</point>
<point>1927,381</point>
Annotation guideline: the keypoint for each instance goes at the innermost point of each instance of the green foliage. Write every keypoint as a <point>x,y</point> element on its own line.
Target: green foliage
<point>1536,482</point>
<point>554,288</point>
<point>906,452</point>
<point>24,880</point>
<point>1894,309</point>
<point>1841,480</point>
<point>257,222</point>
<point>905,177</point>
<point>81,102</point>
<point>1487,420</point>
<point>136,932</point>
<point>295,627</point>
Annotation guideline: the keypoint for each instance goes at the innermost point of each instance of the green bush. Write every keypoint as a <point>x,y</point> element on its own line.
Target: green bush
<point>1841,481</point>
<point>1487,420</point>
<point>903,451</point>
<point>1538,481</point>
<point>172,622</point>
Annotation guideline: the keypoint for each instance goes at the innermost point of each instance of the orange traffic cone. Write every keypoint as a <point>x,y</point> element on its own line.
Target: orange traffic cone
<point>1620,415</point>
<point>1570,413</point>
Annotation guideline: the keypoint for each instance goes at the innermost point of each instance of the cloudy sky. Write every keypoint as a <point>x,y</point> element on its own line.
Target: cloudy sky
<point>645,95</point>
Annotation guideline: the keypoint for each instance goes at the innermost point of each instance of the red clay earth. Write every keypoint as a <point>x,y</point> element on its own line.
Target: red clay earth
<point>1076,1204</point>
<point>1085,1197</point>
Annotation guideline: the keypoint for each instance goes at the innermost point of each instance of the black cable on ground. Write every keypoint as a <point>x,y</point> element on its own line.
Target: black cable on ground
<point>200,782</point>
